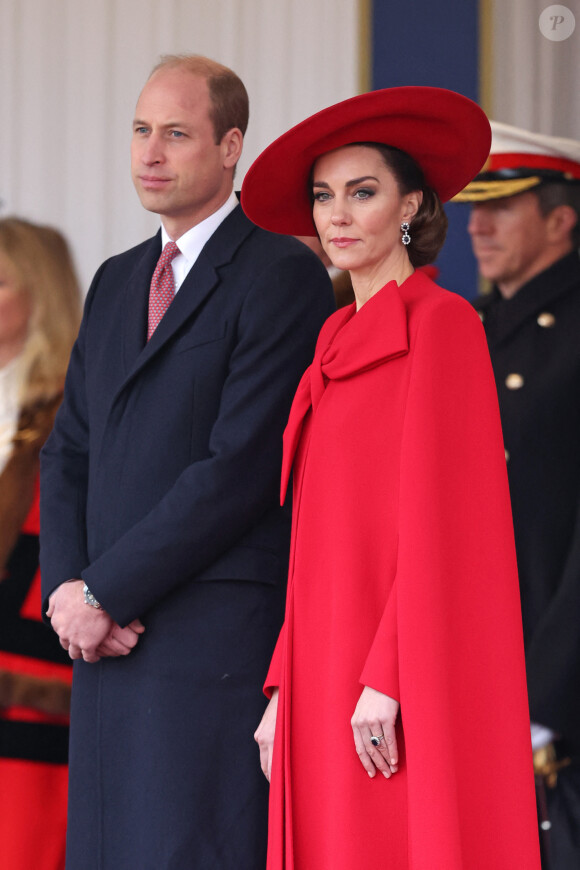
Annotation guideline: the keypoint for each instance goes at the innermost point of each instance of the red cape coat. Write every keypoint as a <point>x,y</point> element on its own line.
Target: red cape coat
<point>399,485</point>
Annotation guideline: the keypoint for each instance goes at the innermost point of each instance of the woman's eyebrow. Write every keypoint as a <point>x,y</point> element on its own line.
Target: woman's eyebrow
<point>360,180</point>
<point>351,183</point>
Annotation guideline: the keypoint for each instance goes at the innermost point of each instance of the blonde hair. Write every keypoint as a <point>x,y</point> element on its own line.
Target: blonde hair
<point>43,270</point>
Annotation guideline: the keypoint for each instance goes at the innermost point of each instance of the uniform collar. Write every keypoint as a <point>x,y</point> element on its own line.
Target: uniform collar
<point>533,298</point>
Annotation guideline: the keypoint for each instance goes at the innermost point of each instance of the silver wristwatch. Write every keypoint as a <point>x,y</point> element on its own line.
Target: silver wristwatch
<point>90,598</point>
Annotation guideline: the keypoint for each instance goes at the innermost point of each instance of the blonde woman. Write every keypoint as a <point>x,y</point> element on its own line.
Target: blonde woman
<point>39,318</point>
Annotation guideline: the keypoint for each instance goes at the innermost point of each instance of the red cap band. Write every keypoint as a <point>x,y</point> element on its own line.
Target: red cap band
<point>496,162</point>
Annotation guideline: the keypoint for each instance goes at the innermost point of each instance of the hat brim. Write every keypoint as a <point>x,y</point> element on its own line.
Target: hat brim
<point>482,191</point>
<point>447,134</point>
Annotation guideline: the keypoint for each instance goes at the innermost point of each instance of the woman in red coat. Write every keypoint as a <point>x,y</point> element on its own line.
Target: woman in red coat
<point>397,734</point>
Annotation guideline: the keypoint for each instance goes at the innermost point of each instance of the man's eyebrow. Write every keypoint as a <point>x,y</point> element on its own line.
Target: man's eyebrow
<point>137,122</point>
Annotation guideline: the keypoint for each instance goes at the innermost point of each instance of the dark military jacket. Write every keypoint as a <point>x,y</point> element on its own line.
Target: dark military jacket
<point>534,342</point>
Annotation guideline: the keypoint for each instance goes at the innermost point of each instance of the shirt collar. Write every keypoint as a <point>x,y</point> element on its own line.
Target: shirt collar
<point>191,243</point>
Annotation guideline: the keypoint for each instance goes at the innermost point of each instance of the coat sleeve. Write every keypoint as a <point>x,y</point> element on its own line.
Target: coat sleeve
<point>274,675</point>
<point>456,614</point>
<point>63,556</point>
<point>381,670</point>
<point>203,514</point>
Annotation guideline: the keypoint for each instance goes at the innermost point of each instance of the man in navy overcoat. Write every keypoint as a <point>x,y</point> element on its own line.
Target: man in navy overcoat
<point>164,551</point>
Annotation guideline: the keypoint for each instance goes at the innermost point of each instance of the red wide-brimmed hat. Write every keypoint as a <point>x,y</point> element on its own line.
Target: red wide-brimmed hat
<point>446,133</point>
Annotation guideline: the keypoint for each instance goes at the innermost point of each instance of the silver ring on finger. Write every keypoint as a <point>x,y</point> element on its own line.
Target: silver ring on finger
<point>376,741</point>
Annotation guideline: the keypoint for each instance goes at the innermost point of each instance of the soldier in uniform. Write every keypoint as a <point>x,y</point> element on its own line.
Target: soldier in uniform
<point>525,232</point>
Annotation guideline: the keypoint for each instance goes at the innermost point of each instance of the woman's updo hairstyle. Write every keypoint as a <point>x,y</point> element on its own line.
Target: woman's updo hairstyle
<point>429,226</point>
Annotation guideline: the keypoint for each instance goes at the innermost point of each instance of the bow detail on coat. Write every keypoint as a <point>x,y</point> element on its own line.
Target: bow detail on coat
<point>350,343</point>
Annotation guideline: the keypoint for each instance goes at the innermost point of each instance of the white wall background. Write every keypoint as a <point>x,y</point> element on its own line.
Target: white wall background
<point>71,72</point>
<point>535,81</point>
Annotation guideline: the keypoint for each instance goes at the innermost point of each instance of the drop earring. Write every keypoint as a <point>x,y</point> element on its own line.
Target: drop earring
<point>405,227</point>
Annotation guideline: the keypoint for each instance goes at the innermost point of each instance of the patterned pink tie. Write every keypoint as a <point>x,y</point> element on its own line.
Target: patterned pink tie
<point>162,288</point>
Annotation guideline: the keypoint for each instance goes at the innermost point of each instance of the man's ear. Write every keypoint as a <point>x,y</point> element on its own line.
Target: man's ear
<point>560,222</point>
<point>231,144</point>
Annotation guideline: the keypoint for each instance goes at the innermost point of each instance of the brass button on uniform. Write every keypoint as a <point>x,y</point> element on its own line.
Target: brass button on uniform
<point>514,381</point>
<point>507,455</point>
<point>546,319</point>
<point>481,315</point>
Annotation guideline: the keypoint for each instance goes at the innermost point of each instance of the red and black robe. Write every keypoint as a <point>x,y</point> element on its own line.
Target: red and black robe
<point>35,673</point>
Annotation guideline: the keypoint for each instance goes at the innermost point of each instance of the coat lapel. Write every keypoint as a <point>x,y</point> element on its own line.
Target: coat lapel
<point>199,284</point>
<point>135,303</point>
<point>300,408</point>
<point>349,344</point>
<point>369,337</point>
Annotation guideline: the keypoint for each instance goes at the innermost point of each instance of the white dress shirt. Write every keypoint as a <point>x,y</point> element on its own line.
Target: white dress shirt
<point>11,378</point>
<point>191,242</point>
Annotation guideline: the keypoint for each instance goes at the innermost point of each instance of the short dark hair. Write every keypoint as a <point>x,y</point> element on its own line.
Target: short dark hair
<point>229,98</point>
<point>429,226</point>
<point>554,193</point>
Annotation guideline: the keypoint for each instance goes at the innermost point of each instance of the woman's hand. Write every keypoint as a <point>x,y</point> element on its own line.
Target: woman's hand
<point>264,735</point>
<point>375,716</point>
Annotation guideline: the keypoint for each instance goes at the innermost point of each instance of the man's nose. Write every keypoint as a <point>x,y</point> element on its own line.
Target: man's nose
<point>152,152</point>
